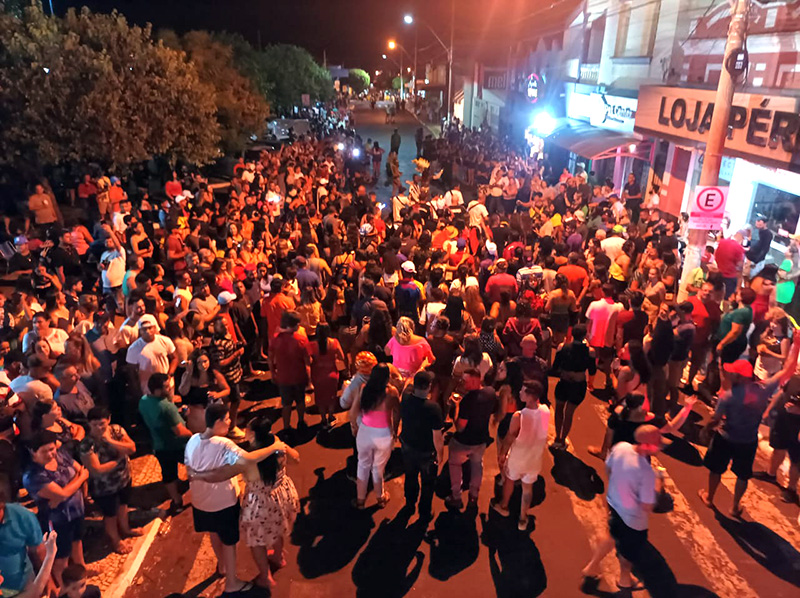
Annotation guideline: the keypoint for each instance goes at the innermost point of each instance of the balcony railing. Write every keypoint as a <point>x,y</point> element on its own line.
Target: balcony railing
<point>590,73</point>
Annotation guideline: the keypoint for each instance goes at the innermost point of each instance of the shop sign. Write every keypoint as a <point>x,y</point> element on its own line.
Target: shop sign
<point>708,208</point>
<point>533,88</point>
<point>763,129</point>
<point>613,112</point>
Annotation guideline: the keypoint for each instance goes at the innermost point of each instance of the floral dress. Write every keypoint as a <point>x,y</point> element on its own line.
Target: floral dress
<point>269,510</point>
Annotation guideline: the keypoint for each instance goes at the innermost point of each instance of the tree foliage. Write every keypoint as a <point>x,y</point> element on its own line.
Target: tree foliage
<point>293,72</point>
<point>241,108</point>
<point>91,87</point>
<point>359,80</point>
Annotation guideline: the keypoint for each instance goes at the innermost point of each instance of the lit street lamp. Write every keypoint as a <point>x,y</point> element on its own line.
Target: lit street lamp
<point>393,45</point>
<point>408,20</point>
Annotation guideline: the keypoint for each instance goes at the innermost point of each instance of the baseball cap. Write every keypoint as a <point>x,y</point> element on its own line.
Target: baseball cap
<point>491,248</point>
<point>226,297</point>
<point>147,320</point>
<point>408,266</point>
<point>648,435</point>
<point>618,229</point>
<point>20,240</point>
<point>461,243</point>
<point>741,367</point>
<point>615,195</point>
<point>529,338</point>
<point>502,262</point>
<point>580,216</point>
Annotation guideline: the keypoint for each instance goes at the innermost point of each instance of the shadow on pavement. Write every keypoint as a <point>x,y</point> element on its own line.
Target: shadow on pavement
<point>681,450</point>
<point>453,543</point>
<point>328,531</point>
<point>382,569</point>
<point>339,437</point>
<point>576,475</point>
<point>514,561</point>
<point>659,579</point>
<point>766,547</point>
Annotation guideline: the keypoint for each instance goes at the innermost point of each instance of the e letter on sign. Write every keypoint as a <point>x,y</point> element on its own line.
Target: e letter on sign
<point>708,208</point>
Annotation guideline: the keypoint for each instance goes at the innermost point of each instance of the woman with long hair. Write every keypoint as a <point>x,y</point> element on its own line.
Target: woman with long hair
<point>508,381</point>
<point>410,352</point>
<point>461,322</point>
<point>310,311</point>
<point>503,309</point>
<point>473,357</point>
<point>562,305</point>
<point>518,327</point>
<point>270,503</point>
<point>326,355</point>
<point>473,303</point>
<point>375,334</point>
<point>373,421</point>
<point>200,384</point>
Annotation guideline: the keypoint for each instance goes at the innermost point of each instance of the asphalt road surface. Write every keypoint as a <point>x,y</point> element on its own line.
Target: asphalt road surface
<point>336,551</point>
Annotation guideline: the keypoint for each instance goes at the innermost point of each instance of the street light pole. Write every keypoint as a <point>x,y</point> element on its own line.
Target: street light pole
<point>450,62</point>
<point>402,93</point>
<point>715,144</point>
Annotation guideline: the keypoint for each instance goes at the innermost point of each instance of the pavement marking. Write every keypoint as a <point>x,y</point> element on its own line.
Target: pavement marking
<point>713,562</point>
<point>593,517</point>
<point>130,567</point>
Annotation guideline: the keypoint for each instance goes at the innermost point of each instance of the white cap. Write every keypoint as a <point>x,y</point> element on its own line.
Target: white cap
<point>147,320</point>
<point>408,266</point>
<point>491,247</point>
<point>226,297</point>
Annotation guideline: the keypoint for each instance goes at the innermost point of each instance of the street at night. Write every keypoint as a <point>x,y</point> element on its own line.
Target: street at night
<point>381,299</point>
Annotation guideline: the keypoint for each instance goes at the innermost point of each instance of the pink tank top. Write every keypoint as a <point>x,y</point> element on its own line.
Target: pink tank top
<point>375,419</point>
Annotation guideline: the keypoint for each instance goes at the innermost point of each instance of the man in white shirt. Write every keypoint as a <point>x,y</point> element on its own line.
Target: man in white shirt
<point>631,496</point>
<point>151,353</point>
<point>128,333</point>
<point>42,330</point>
<point>29,386</point>
<point>112,266</point>
<point>478,214</point>
<point>612,244</point>
<point>601,328</point>
<point>454,198</point>
<point>399,202</point>
<point>212,461</point>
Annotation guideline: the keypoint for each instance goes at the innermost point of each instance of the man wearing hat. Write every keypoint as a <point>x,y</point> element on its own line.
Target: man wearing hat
<point>409,293</point>
<point>735,423</point>
<point>501,281</point>
<point>631,496</point>
<point>151,353</point>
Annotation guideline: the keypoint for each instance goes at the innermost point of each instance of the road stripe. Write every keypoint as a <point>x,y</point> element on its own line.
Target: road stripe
<point>698,540</point>
<point>134,561</point>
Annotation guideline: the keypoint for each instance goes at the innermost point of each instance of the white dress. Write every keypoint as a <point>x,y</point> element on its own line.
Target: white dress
<point>525,457</point>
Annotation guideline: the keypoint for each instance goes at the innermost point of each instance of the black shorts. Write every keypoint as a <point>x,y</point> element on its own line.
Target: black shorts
<point>570,392</point>
<point>722,452</point>
<point>629,542</point>
<point>168,460</point>
<point>294,394</point>
<point>110,503</point>
<point>68,533</point>
<point>224,523</point>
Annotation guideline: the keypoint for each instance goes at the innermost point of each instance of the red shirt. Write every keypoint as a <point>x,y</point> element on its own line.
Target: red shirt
<point>497,283</point>
<point>173,188</point>
<point>86,190</point>
<point>273,310</point>
<point>289,352</point>
<point>729,257</point>
<point>706,317</point>
<point>576,276</point>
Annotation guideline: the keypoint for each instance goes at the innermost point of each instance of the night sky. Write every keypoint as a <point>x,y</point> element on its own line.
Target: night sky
<point>352,32</point>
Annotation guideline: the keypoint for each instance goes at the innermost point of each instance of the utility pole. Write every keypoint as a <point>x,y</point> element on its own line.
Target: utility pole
<point>450,61</point>
<point>717,133</point>
<point>416,38</point>
<point>402,76</point>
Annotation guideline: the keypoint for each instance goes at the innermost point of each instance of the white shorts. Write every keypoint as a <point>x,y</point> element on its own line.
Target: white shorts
<point>514,474</point>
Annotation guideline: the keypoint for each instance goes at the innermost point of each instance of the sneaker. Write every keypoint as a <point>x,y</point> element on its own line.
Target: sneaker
<point>789,495</point>
<point>236,433</point>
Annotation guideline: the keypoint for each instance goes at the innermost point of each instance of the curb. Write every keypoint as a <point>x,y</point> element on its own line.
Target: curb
<point>133,562</point>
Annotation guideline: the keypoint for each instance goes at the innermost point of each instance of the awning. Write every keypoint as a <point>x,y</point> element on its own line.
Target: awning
<point>459,96</point>
<point>595,143</point>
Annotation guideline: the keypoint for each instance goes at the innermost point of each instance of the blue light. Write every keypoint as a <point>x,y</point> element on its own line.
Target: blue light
<point>543,123</point>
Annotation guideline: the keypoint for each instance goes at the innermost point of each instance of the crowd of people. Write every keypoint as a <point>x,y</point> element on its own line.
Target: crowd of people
<point>435,320</point>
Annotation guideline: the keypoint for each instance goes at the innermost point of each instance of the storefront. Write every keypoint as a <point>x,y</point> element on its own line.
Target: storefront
<point>762,157</point>
<point>598,131</point>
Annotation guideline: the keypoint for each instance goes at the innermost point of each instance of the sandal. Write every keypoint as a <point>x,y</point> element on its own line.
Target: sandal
<point>383,500</point>
<point>358,504</point>
<point>246,587</point>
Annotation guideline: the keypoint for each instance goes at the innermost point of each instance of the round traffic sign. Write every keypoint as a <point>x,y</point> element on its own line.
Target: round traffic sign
<point>710,199</point>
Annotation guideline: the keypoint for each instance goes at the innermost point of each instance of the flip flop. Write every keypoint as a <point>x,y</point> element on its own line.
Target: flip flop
<point>246,587</point>
<point>632,588</point>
